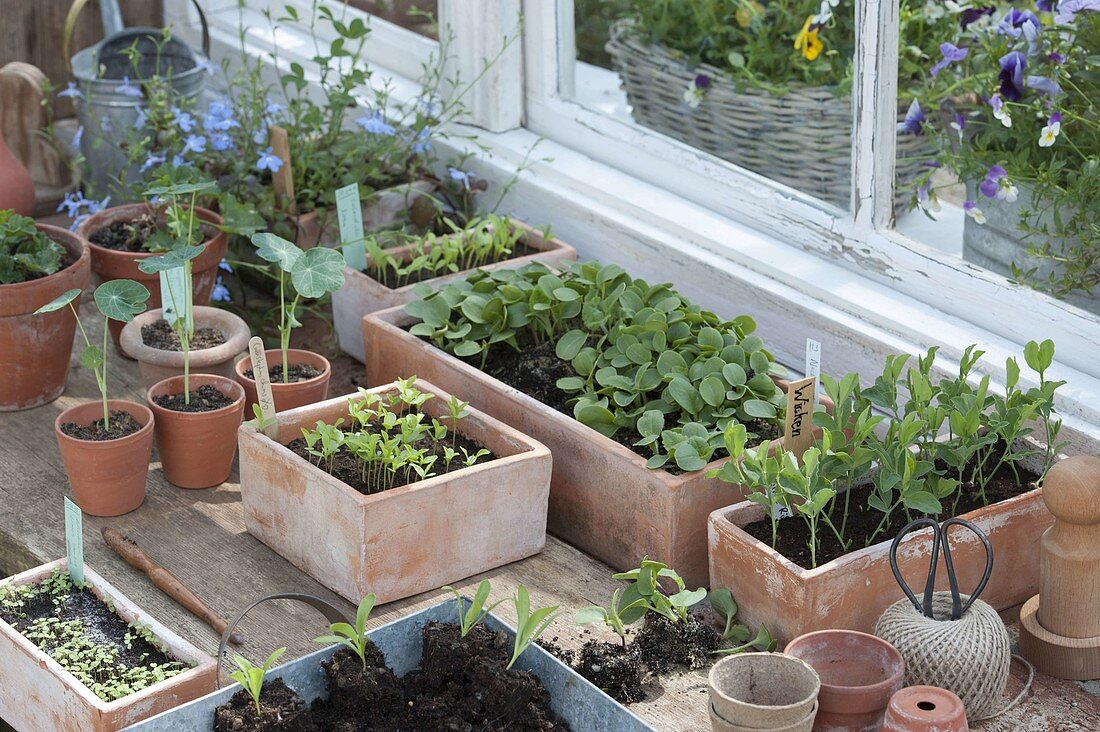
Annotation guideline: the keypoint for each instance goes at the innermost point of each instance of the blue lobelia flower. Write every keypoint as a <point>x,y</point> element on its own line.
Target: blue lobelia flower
<point>194,143</point>
<point>269,161</point>
<point>126,88</point>
<point>423,141</point>
<point>178,161</point>
<point>72,92</point>
<point>1013,65</point>
<point>152,161</point>
<point>951,53</point>
<point>221,292</point>
<point>183,120</point>
<point>220,141</point>
<point>375,125</point>
<point>225,266</point>
<point>460,176</point>
<point>141,118</point>
<point>914,120</point>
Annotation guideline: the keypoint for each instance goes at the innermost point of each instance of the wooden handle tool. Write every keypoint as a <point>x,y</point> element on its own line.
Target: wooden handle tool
<point>165,581</point>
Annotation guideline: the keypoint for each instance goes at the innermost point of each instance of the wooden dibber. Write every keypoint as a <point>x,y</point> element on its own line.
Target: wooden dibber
<point>165,581</point>
<point>1060,627</point>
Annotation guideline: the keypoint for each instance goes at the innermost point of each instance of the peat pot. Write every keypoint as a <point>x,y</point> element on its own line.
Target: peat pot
<point>859,673</point>
<point>402,541</point>
<point>763,691</point>
<point>853,590</point>
<point>603,499</point>
<point>41,696</point>
<point>196,448</point>
<point>362,294</point>
<point>292,394</point>
<point>157,365</point>
<point>111,264</point>
<point>35,349</point>
<point>108,476</point>
<point>572,697</point>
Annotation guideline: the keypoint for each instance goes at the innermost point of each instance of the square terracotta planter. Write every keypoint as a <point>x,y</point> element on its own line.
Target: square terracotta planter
<point>405,540</point>
<point>362,295</point>
<point>852,591</point>
<point>37,694</point>
<point>603,499</point>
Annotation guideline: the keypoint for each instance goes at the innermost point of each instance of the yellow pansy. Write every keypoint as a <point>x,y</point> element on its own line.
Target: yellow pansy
<point>746,14</point>
<point>807,40</point>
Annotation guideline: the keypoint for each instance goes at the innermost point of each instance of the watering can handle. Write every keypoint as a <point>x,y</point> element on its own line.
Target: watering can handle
<point>78,5</point>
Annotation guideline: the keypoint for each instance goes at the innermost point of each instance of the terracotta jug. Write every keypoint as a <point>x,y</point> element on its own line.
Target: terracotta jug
<point>16,186</point>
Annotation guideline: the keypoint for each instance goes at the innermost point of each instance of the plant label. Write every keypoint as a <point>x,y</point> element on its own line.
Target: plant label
<point>780,511</point>
<point>349,214</point>
<point>283,180</point>
<point>262,378</point>
<point>175,295</point>
<point>74,541</point>
<point>813,364</point>
<point>799,432</point>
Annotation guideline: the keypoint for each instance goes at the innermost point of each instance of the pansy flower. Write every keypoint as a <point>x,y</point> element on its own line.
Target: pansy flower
<point>997,185</point>
<point>1000,111</point>
<point>1013,65</point>
<point>951,53</point>
<point>1044,6</point>
<point>808,41</point>
<point>914,120</point>
<point>958,123</point>
<point>1050,132</point>
<point>1068,10</point>
<point>972,210</point>
<point>1015,20</point>
<point>696,90</point>
<point>1045,85</point>
<point>969,16</point>
<point>268,160</point>
<point>927,198</point>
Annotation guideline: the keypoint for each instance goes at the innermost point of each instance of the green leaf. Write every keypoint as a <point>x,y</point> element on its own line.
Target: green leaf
<point>598,418</point>
<point>651,423</point>
<point>59,302</point>
<point>182,189</point>
<point>121,299</point>
<point>759,408</point>
<point>465,349</point>
<point>723,603</point>
<point>681,390</point>
<point>922,501</point>
<point>570,383</point>
<point>711,338</point>
<point>593,614</point>
<point>734,374</point>
<point>570,344</point>
<point>713,391</point>
<point>169,260</point>
<point>276,249</point>
<point>317,272</point>
<point>91,357</point>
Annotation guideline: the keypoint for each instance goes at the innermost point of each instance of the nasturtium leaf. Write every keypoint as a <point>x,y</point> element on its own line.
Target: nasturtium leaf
<point>317,272</point>
<point>711,338</point>
<point>598,418</point>
<point>121,299</point>
<point>272,248</point>
<point>713,390</point>
<point>570,344</point>
<point>759,408</point>
<point>759,362</point>
<point>169,260</point>
<point>734,374</point>
<point>466,349</point>
<point>59,302</point>
<point>91,357</point>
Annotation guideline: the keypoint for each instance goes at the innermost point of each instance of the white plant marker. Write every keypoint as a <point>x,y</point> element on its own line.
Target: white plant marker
<point>74,541</point>
<point>264,396</point>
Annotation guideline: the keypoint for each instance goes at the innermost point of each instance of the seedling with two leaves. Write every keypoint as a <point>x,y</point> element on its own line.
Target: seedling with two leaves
<point>353,638</point>
<point>252,677</point>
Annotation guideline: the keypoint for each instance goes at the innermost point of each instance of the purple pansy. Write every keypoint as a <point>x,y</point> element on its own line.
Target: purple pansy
<point>1068,10</point>
<point>1013,65</point>
<point>996,185</point>
<point>702,81</point>
<point>914,120</point>
<point>973,15</point>
<point>1014,21</point>
<point>1044,84</point>
<point>1044,6</point>
<point>951,53</point>
<point>268,160</point>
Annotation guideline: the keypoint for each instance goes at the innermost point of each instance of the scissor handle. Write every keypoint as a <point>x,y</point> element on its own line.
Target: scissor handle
<point>930,582</point>
<point>957,608</point>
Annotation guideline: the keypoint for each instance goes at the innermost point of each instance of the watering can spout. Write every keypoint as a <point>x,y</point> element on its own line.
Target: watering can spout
<point>112,17</point>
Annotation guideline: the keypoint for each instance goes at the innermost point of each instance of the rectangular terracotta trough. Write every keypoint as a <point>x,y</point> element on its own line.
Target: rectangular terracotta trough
<point>362,294</point>
<point>402,541</point>
<point>603,499</point>
<point>852,591</point>
<point>38,695</point>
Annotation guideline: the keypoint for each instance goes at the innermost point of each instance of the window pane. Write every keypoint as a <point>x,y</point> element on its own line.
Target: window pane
<point>764,86</point>
<point>419,16</point>
<point>1008,102</point>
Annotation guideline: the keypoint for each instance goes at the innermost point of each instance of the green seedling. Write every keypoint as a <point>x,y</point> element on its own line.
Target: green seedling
<point>251,678</point>
<point>762,641</point>
<point>470,616</point>
<point>613,615</point>
<point>529,624</point>
<point>722,602</point>
<point>354,638</point>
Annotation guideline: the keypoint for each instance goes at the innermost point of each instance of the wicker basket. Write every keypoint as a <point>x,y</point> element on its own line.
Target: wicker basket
<point>802,139</point>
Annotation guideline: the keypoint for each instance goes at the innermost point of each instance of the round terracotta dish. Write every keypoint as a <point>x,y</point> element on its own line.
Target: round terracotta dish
<point>157,364</point>
<point>925,709</point>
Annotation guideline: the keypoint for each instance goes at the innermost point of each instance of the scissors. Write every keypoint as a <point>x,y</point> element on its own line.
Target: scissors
<point>940,537</point>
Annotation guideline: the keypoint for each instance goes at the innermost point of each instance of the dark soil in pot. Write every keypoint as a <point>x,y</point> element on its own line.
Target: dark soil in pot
<point>390,279</point>
<point>160,335</point>
<point>616,669</point>
<point>793,538</point>
<point>281,710</point>
<point>296,372</point>
<point>131,236</point>
<point>122,424</point>
<point>204,399</point>
<point>663,645</point>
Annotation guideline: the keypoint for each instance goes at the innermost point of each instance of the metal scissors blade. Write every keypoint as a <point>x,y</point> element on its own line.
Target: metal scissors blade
<point>940,537</point>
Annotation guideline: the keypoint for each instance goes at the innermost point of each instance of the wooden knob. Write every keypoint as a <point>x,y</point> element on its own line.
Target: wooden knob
<point>1069,585</point>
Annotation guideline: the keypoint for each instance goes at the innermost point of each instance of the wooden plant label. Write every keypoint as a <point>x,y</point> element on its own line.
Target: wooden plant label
<point>283,180</point>
<point>74,541</point>
<point>175,295</point>
<point>349,214</point>
<point>799,432</point>
<point>813,364</point>
<point>263,386</point>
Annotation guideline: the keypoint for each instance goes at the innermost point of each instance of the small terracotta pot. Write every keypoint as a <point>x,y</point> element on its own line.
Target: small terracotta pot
<point>859,673</point>
<point>157,365</point>
<point>108,477</point>
<point>197,448</point>
<point>763,691</point>
<point>109,264</point>
<point>294,394</point>
<point>925,709</point>
<point>35,349</point>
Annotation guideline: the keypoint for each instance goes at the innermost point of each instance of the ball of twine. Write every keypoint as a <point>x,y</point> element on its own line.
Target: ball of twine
<point>969,656</point>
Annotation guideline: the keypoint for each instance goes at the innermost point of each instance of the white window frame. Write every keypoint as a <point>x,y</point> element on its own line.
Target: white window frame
<point>730,240</point>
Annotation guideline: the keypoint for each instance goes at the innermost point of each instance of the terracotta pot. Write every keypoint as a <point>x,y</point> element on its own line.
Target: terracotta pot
<point>603,499</point>
<point>293,394</point>
<point>196,448</point>
<point>852,591</point>
<point>859,673</point>
<point>762,691</point>
<point>40,695</point>
<point>35,349</point>
<point>925,709</point>
<point>157,365</point>
<point>406,540</point>
<point>362,294</point>
<point>16,186</point>
<point>109,264</point>
<point>107,477</point>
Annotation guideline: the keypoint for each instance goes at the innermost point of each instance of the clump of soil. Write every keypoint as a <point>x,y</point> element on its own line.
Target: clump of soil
<point>160,335</point>
<point>793,538</point>
<point>132,235</point>
<point>392,280</point>
<point>204,399</point>
<point>615,668</point>
<point>121,425</point>
<point>296,372</point>
<point>348,468</point>
<point>281,710</point>
<point>663,644</point>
